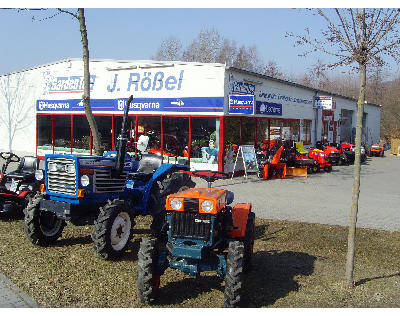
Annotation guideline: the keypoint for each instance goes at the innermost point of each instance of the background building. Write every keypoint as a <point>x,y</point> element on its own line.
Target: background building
<point>193,111</point>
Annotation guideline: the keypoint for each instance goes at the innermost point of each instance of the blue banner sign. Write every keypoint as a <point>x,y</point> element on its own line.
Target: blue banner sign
<point>268,108</point>
<point>210,104</point>
<point>241,104</point>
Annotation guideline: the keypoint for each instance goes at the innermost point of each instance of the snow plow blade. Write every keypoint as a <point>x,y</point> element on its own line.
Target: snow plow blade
<point>293,172</point>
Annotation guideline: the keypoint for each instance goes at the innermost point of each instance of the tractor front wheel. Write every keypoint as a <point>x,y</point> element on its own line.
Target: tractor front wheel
<point>41,227</point>
<point>315,168</point>
<point>234,272</point>
<point>248,243</point>
<point>112,230</point>
<point>147,282</point>
<point>328,168</point>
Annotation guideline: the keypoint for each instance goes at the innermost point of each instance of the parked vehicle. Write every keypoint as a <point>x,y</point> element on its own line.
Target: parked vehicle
<point>108,191</point>
<point>321,158</point>
<point>16,187</point>
<point>348,150</point>
<point>376,150</point>
<point>204,234</point>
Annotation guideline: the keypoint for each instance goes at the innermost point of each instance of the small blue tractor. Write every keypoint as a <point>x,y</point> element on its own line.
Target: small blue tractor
<point>108,191</point>
<point>204,234</point>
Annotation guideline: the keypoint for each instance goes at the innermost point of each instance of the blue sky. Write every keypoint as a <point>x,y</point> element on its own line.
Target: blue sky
<point>136,33</point>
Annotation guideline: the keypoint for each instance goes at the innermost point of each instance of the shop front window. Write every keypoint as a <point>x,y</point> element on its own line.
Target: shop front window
<point>275,131</point>
<point>307,132</point>
<point>104,124</point>
<point>62,133</point>
<point>130,126</point>
<point>248,130</point>
<point>44,137</point>
<point>205,142</point>
<point>176,137</point>
<point>295,130</point>
<point>81,134</point>
<point>286,131</point>
<point>151,126</point>
<point>262,131</point>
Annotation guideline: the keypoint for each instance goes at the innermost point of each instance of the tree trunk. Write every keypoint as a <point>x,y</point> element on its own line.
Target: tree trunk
<point>86,86</point>
<point>351,238</point>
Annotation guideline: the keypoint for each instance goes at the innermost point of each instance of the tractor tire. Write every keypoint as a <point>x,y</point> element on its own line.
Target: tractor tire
<point>382,153</point>
<point>147,282</point>
<point>234,272</point>
<point>41,227</point>
<point>112,230</point>
<point>248,243</point>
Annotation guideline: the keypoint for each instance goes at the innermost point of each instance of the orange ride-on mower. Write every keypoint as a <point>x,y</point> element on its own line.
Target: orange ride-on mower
<point>204,234</point>
<point>274,169</point>
<point>376,150</point>
<point>321,158</point>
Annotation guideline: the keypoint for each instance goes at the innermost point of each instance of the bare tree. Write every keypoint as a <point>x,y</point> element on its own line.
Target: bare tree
<point>170,49</point>
<point>14,110</point>
<point>363,37</point>
<point>272,69</point>
<point>205,48</point>
<point>79,15</point>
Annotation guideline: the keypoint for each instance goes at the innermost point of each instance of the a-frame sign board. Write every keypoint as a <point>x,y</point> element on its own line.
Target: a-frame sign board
<point>246,156</point>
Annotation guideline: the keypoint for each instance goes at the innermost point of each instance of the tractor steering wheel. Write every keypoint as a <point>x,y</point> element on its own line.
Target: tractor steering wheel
<point>9,156</point>
<point>210,176</point>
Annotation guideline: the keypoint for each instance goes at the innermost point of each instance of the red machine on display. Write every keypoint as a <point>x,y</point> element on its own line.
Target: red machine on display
<point>274,169</point>
<point>322,159</point>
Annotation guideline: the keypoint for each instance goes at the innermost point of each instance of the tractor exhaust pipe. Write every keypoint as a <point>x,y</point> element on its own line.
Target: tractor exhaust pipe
<point>122,140</point>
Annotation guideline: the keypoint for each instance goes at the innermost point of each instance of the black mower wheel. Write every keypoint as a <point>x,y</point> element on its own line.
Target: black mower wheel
<point>233,276</point>
<point>147,282</point>
<point>41,227</point>
<point>315,168</point>
<point>112,230</point>
<point>328,168</point>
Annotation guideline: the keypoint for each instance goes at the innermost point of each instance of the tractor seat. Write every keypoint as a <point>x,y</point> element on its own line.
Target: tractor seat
<point>26,169</point>
<point>147,165</point>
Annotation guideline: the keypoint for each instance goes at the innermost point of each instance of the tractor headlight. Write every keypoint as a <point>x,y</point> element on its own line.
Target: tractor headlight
<point>85,180</point>
<point>207,206</point>
<point>70,169</point>
<point>176,204</point>
<point>39,175</point>
<point>52,166</point>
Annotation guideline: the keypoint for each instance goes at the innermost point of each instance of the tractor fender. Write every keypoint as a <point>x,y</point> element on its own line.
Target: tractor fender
<point>240,213</point>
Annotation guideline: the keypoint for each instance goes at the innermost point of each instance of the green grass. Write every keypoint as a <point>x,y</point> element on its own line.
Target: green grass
<point>295,265</point>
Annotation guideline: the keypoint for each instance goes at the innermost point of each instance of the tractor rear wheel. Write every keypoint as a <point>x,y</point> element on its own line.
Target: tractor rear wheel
<point>41,227</point>
<point>112,230</point>
<point>147,282</point>
<point>315,168</point>
<point>328,168</point>
<point>234,272</point>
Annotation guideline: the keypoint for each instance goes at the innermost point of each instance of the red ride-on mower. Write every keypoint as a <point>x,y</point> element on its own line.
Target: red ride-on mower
<point>18,185</point>
<point>377,151</point>
<point>322,159</point>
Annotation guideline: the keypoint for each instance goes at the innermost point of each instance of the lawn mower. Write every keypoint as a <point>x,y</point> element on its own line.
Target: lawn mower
<point>321,158</point>
<point>376,150</point>
<point>348,150</point>
<point>17,186</point>
<point>203,233</point>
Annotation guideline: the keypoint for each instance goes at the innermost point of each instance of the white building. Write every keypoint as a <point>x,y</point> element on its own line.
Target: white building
<point>176,104</point>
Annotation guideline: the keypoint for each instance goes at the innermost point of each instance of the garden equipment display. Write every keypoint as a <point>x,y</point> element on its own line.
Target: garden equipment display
<point>333,154</point>
<point>300,149</point>
<point>321,158</point>
<point>274,169</point>
<point>17,186</point>
<point>204,234</point>
<point>348,150</point>
<point>376,150</point>
<point>298,164</point>
<point>108,191</point>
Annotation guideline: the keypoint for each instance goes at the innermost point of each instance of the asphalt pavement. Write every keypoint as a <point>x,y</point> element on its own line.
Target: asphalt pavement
<point>323,198</point>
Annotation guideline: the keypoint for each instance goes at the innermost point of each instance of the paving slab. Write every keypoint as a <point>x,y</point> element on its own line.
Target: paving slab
<point>13,297</point>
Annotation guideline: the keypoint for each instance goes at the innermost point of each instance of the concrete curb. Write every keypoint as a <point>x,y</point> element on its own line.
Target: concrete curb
<point>13,297</point>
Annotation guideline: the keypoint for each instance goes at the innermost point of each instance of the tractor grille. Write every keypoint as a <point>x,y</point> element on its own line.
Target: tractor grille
<point>61,181</point>
<point>189,223</point>
<point>103,182</point>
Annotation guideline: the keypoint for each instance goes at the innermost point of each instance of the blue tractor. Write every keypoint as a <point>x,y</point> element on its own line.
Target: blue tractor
<point>108,191</point>
<point>204,234</point>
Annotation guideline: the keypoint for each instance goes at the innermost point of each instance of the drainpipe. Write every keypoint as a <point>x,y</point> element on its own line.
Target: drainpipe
<point>316,119</point>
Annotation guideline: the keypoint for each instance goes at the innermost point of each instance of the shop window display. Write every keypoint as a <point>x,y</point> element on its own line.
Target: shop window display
<point>248,130</point>
<point>176,137</point>
<point>204,147</point>
<point>151,126</point>
<point>131,131</point>
<point>104,124</point>
<point>307,132</point>
<point>81,135</point>
<point>62,133</point>
<point>44,137</point>
<point>262,131</point>
<point>295,130</point>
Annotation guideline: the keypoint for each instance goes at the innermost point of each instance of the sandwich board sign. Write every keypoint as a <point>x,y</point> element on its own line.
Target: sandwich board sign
<point>247,156</point>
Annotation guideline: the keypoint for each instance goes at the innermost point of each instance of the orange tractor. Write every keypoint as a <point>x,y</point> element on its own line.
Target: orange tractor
<point>376,150</point>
